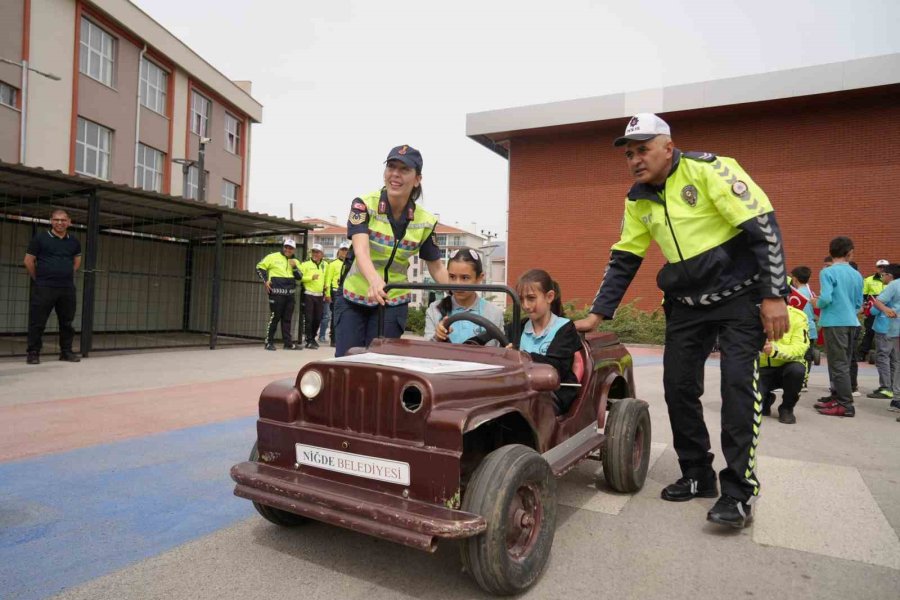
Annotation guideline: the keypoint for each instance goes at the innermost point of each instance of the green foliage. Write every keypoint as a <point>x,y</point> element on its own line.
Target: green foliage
<point>631,324</point>
<point>415,322</point>
<point>635,326</point>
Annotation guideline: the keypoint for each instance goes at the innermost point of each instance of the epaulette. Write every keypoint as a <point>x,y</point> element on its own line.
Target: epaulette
<point>701,156</point>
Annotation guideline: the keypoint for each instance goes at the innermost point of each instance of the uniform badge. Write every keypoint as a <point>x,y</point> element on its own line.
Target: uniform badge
<point>689,195</point>
<point>739,189</point>
<point>356,218</point>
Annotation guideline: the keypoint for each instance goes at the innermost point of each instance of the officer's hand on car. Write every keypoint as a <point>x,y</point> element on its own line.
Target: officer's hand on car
<point>589,323</point>
<point>442,332</point>
<point>774,317</point>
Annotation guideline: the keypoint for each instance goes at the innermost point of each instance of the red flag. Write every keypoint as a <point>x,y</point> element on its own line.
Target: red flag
<point>796,299</point>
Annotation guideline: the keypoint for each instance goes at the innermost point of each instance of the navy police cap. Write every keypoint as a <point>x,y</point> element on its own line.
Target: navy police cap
<point>408,155</point>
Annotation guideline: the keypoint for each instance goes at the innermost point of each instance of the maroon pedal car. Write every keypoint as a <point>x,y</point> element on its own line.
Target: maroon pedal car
<point>417,441</point>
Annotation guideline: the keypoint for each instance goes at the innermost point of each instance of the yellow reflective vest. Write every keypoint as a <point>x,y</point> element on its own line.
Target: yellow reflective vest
<point>389,255</point>
<point>309,269</point>
<point>793,345</point>
<point>333,275</point>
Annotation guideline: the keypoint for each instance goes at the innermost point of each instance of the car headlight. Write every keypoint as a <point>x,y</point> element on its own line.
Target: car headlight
<point>311,384</point>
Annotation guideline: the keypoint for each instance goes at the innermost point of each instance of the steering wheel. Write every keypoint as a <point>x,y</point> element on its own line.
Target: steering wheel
<point>493,332</point>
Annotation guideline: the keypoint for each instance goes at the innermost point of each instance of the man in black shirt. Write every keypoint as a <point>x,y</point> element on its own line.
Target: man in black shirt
<point>52,258</point>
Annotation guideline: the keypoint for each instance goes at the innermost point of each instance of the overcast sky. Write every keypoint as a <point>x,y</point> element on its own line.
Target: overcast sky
<point>343,81</point>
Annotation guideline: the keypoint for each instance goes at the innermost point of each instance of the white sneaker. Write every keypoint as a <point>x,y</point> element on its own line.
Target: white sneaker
<point>856,393</point>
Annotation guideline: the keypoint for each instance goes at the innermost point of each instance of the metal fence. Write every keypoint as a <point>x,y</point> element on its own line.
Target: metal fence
<point>157,271</point>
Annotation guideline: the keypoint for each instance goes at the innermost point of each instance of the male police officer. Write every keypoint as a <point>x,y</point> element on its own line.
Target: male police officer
<point>872,286</point>
<point>313,272</point>
<point>279,272</point>
<point>725,274</point>
<point>333,282</point>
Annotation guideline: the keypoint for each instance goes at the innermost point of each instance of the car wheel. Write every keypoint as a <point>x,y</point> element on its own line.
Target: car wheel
<point>514,490</point>
<point>817,357</point>
<point>627,453</point>
<point>275,515</point>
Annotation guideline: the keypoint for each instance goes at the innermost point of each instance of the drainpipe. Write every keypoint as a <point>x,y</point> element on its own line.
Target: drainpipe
<point>137,120</point>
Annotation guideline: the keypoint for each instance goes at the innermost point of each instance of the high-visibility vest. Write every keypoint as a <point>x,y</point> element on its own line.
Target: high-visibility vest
<point>389,255</point>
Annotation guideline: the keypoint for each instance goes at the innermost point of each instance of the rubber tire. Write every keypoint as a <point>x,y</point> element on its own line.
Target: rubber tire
<point>277,516</point>
<point>626,418</point>
<point>490,489</point>
<point>817,357</point>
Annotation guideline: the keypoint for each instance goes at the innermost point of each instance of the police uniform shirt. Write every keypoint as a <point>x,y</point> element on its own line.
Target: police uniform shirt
<point>55,259</point>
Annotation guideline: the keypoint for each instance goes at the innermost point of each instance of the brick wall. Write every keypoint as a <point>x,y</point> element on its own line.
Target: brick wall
<point>828,163</point>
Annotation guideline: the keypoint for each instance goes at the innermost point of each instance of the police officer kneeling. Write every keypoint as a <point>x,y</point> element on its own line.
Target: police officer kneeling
<point>725,278</point>
<point>782,365</point>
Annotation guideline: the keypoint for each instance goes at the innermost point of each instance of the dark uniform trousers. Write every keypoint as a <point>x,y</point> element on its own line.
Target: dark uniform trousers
<point>313,306</point>
<point>690,335</point>
<point>788,377</point>
<point>45,300</point>
<point>282,309</point>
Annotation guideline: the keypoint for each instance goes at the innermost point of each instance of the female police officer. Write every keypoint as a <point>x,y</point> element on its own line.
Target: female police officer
<point>386,228</point>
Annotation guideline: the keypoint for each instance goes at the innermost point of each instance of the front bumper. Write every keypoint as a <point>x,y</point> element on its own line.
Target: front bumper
<point>409,522</point>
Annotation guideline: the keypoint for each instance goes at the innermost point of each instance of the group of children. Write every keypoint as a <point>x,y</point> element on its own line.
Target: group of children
<point>839,304</point>
<point>547,336</point>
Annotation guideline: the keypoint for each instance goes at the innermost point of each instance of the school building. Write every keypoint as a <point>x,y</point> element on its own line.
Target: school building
<point>819,140</point>
<point>100,90</point>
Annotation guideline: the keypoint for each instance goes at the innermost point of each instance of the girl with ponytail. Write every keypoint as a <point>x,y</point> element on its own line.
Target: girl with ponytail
<point>547,335</point>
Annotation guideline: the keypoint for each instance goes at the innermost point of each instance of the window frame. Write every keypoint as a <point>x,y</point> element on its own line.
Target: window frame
<point>225,199</point>
<point>204,119</point>
<point>103,155</point>
<point>159,87</point>
<point>105,55</point>
<point>142,169</point>
<point>13,95</point>
<point>232,138</point>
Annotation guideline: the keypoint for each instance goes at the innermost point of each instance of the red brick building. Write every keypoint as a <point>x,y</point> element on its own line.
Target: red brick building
<point>821,141</point>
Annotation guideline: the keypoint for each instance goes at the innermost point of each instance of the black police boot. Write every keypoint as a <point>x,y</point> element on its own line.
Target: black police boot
<point>292,346</point>
<point>69,356</point>
<point>270,347</point>
<point>34,358</point>
<point>687,487</point>
<point>730,512</point>
<point>786,415</point>
<point>314,345</point>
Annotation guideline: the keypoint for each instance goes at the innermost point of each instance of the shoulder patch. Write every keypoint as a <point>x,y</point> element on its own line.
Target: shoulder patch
<point>701,156</point>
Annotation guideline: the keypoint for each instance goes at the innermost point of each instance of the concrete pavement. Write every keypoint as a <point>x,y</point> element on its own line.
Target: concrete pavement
<point>114,484</point>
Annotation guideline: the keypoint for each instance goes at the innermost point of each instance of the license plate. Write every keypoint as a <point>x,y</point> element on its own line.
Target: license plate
<point>391,471</point>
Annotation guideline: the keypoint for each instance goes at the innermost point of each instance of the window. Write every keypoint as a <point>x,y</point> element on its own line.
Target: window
<point>154,83</point>
<point>8,95</point>
<point>457,240</point>
<point>148,172</point>
<point>200,106</point>
<point>229,194</point>
<point>232,134</point>
<point>192,183</point>
<point>441,240</point>
<point>92,146</point>
<point>97,52</point>
<point>326,240</point>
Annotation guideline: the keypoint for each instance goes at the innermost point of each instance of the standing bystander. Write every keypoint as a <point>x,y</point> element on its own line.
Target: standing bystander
<point>887,337</point>
<point>313,270</point>
<point>840,300</point>
<point>51,260</point>
<point>279,272</point>
<point>333,283</point>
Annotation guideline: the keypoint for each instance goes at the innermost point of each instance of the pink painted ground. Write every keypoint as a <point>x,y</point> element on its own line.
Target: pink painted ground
<point>60,425</point>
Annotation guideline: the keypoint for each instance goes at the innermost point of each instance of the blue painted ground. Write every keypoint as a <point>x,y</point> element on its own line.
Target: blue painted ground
<point>71,517</point>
